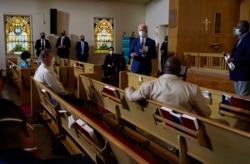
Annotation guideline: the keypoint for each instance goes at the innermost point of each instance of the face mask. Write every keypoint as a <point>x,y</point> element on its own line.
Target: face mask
<point>82,39</point>
<point>28,60</point>
<point>142,34</point>
<point>110,52</point>
<point>62,34</point>
<point>42,37</point>
<point>237,31</point>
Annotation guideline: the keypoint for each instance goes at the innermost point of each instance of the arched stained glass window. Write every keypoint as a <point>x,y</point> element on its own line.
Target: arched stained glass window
<point>17,34</point>
<point>104,34</point>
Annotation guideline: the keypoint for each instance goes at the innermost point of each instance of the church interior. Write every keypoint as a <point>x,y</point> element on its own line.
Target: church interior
<point>109,128</point>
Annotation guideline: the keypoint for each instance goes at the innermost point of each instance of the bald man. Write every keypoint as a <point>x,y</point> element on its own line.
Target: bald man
<point>172,90</point>
<point>142,50</point>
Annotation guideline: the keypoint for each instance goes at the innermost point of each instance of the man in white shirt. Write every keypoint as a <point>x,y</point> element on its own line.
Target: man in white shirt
<point>46,75</point>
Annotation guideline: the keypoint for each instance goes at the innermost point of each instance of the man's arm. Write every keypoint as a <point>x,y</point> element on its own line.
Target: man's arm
<point>140,94</point>
<point>200,106</point>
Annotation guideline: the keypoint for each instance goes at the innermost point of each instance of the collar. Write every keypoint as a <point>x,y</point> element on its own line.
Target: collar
<point>169,76</point>
<point>242,36</point>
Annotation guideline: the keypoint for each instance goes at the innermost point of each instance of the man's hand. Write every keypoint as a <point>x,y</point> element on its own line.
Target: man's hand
<point>133,54</point>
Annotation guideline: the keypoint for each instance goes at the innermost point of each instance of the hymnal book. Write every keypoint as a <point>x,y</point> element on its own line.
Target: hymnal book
<point>87,131</point>
<point>176,118</point>
<point>48,97</point>
<point>242,103</point>
<point>226,99</point>
<point>165,113</point>
<point>111,91</point>
<point>190,122</point>
<point>79,65</point>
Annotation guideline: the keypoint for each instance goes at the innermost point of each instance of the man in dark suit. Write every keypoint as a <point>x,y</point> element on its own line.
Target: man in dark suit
<point>241,59</point>
<point>82,49</point>
<point>63,44</point>
<point>164,52</point>
<point>142,50</point>
<point>42,44</point>
<point>111,63</point>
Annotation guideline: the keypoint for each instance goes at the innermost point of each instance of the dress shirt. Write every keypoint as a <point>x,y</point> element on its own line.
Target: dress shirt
<point>82,46</point>
<point>47,76</point>
<point>171,90</point>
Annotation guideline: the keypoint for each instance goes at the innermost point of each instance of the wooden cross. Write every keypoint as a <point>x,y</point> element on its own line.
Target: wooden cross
<point>206,22</point>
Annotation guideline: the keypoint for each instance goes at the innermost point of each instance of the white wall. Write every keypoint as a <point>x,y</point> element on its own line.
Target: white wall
<point>157,16</point>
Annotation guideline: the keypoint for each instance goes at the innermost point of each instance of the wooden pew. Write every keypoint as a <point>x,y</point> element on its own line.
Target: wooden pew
<point>21,78</point>
<point>57,114</point>
<point>211,148</point>
<point>66,76</point>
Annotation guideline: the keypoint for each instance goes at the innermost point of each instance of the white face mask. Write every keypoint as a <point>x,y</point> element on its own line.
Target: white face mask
<point>28,60</point>
<point>142,34</point>
<point>110,52</point>
<point>237,31</point>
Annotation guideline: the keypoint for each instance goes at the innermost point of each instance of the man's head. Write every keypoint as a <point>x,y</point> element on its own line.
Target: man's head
<point>15,131</point>
<point>82,37</point>
<point>46,57</point>
<point>242,27</point>
<point>42,35</point>
<point>166,38</point>
<point>111,50</point>
<point>25,55</point>
<point>142,30</point>
<point>63,33</point>
<point>172,66</point>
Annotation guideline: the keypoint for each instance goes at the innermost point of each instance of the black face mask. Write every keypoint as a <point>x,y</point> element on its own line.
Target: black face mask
<point>63,34</point>
<point>42,37</point>
<point>82,39</point>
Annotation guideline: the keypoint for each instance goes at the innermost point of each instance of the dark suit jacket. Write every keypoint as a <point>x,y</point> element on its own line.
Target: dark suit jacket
<point>140,64</point>
<point>164,48</point>
<point>38,46</point>
<point>113,60</point>
<point>63,52</point>
<point>82,57</point>
<point>241,55</point>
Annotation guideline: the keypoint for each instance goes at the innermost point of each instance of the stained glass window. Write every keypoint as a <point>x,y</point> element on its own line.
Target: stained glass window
<point>17,34</point>
<point>103,34</point>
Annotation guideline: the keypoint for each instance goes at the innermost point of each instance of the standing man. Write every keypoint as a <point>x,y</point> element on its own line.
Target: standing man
<point>142,50</point>
<point>82,49</point>
<point>164,52</point>
<point>63,44</point>
<point>240,57</point>
<point>42,44</point>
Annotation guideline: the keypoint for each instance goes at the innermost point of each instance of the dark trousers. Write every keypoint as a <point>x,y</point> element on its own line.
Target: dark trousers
<point>163,60</point>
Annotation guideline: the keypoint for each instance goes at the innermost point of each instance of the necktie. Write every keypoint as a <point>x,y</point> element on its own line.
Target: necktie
<point>82,45</point>
<point>42,44</point>
<point>62,41</point>
<point>141,44</point>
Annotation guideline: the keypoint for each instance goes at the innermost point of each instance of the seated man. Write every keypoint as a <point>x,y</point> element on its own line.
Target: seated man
<point>45,74</point>
<point>171,90</point>
<point>111,64</point>
<point>17,139</point>
<point>25,56</point>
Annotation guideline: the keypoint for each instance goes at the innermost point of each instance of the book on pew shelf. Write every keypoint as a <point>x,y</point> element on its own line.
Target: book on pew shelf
<point>90,133</point>
<point>48,97</point>
<point>190,122</point>
<point>111,91</point>
<point>176,117</point>
<point>240,102</point>
<point>165,113</point>
<point>226,99</point>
